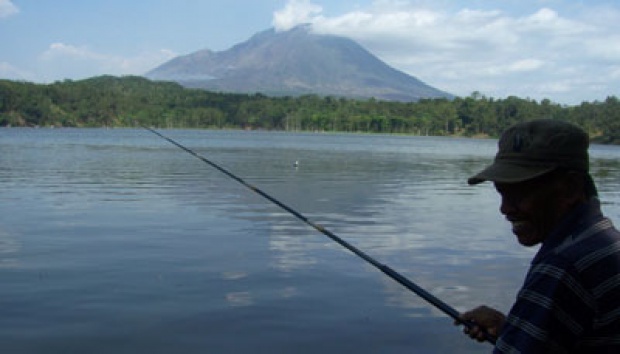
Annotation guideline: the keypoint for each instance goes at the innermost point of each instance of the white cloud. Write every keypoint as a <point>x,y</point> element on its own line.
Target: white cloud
<point>605,48</point>
<point>294,13</point>
<point>537,53</point>
<point>7,8</point>
<point>69,61</point>
<point>10,72</point>
<point>62,51</point>
<point>526,65</point>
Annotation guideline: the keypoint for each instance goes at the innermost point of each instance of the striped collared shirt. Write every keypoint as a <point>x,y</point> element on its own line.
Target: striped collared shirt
<point>570,300</point>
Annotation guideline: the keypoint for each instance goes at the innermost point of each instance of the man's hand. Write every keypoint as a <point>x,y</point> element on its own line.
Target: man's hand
<point>485,321</point>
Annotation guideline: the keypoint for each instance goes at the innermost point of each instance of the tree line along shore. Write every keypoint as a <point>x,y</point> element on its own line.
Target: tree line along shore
<point>108,101</point>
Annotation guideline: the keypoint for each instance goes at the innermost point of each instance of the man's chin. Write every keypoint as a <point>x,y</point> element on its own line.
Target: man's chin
<point>525,234</point>
<point>526,238</point>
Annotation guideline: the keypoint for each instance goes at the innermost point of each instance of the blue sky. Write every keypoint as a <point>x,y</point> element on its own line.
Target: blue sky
<point>566,51</point>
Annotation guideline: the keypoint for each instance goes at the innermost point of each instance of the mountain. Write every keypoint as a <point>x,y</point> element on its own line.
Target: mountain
<point>295,62</point>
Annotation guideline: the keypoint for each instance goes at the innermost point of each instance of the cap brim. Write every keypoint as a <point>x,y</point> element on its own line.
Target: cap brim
<point>503,172</point>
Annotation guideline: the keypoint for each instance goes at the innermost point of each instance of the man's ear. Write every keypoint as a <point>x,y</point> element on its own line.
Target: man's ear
<point>572,188</point>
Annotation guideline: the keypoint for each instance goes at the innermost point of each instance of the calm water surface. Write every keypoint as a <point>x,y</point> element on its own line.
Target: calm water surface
<point>115,241</point>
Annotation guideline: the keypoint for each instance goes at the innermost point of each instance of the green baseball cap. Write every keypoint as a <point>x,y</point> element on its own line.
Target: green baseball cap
<point>533,148</point>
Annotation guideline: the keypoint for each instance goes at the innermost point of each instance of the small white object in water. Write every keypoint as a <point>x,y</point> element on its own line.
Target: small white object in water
<point>296,164</point>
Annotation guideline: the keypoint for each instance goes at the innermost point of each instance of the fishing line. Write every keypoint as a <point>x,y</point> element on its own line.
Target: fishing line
<point>433,300</point>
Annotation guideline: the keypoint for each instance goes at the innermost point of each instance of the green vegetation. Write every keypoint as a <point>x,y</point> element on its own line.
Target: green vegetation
<point>132,101</point>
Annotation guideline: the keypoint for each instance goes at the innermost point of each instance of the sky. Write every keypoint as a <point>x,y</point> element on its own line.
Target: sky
<point>561,50</point>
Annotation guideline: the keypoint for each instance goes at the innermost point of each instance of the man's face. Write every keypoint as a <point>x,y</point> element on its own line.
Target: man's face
<point>533,208</point>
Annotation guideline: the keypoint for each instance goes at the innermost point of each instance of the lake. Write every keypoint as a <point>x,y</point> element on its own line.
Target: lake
<point>116,241</point>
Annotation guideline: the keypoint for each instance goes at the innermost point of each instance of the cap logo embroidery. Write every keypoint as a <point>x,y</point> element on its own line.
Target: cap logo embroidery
<point>517,143</point>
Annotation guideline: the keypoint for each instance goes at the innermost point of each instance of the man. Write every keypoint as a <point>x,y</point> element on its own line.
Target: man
<point>570,299</point>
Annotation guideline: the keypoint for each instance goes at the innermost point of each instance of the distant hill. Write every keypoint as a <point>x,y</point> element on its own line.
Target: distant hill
<point>295,62</point>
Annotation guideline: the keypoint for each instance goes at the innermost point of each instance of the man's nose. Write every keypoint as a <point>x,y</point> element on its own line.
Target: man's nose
<point>507,205</point>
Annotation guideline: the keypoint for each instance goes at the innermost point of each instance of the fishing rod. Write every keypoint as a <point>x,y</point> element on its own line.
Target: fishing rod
<point>433,300</point>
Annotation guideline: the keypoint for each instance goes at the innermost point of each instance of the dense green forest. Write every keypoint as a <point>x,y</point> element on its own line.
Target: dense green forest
<point>132,101</point>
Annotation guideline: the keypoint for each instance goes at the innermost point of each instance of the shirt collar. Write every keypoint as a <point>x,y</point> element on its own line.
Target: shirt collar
<point>574,222</point>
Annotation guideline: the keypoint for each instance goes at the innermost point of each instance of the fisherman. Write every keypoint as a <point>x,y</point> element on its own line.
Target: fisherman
<point>570,299</point>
